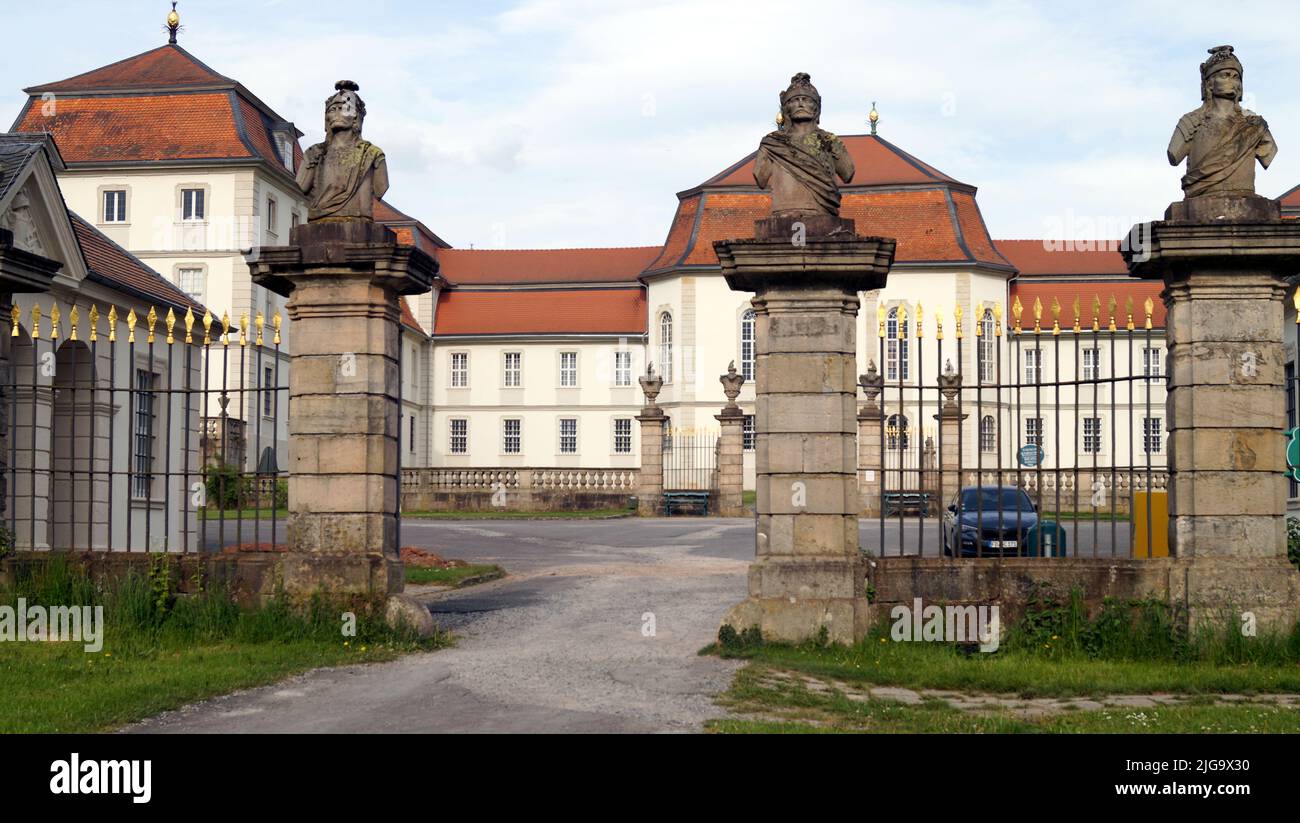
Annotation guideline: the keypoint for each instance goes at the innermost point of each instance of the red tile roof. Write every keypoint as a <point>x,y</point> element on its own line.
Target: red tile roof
<point>542,311</point>
<point>1290,199</point>
<point>409,231</point>
<point>408,319</point>
<point>161,105</point>
<point>120,269</point>
<point>877,162</point>
<point>491,266</point>
<point>1049,257</point>
<point>1122,290</point>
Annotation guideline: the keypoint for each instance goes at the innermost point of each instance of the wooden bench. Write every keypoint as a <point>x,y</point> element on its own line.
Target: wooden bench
<point>696,502</point>
<point>916,502</point>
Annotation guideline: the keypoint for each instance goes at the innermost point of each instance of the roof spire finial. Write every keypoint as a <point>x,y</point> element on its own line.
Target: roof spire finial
<point>873,117</point>
<point>173,24</point>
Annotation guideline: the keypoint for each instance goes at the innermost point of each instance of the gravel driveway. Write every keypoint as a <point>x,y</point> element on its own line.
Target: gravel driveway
<point>563,644</point>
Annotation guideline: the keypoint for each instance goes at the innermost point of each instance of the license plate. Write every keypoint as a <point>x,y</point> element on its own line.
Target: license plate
<point>1002,544</point>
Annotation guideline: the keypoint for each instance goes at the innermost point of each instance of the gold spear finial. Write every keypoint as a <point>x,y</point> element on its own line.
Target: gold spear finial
<point>54,321</point>
<point>171,325</point>
<point>997,319</point>
<point>1038,315</point>
<point>902,322</point>
<point>152,319</point>
<point>189,324</point>
<point>1017,309</point>
<point>275,321</point>
<point>15,314</point>
<point>1149,306</point>
<point>880,316</point>
<point>920,320</point>
<point>225,328</point>
<point>1076,308</point>
<point>979,319</point>
<point>94,322</point>
<point>112,323</point>
<point>938,325</point>
<point>36,321</point>
<point>1056,317</point>
<point>1113,304</point>
<point>258,322</point>
<point>131,320</point>
<point>243,328</point>
<point>207,327</point>
<point>74,317</point>
<point>956,319</point>
<point>1096,312</point>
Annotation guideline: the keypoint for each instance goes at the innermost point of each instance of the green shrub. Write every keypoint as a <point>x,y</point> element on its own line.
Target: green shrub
<point>1293,540</point>
<point>227,487</point>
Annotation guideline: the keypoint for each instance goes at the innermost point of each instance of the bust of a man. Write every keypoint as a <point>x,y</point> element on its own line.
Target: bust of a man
<point>342,176</point>
<point>1220,140</point>
<point>800,161</point>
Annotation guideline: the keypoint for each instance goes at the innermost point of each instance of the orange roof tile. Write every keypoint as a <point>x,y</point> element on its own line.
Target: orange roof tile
<point>492,266</point>
<point>542,311</point>
<point>877,162</point>
<point>1122,290</point>
<point>409,231</point>
<point>167,66</point>
<point>408,319</point>
<point>1044,257</point>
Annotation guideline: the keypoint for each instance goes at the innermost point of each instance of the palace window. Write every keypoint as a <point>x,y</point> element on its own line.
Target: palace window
<point>1152,439</point>
<point>268,391</point>
<point>896,362</point>
<point>1151,364</point>
<point>1034,431</point>
<point>988,434</point>
<point>459,369</point>
<point>1092,364</point>
<point>191,282</point>
<point>512,435</point>
<point>411,438</point>
<point>622,435</point>
<point>1033,366</point>
<point>622,368</point>
<point>270,215</point>
<point>666,347</point>
<point>988,347</point>
<point>192,205</point>
<point>568,369</point>
<point>513,376</point>
<point>145,415</point>
<point>459,428</point>
<point>1092,435</point>
<point>896,431</point>
<point>115,206</point>
<point>747,350</point>
<point>750,433</point>
<point>568,435</point>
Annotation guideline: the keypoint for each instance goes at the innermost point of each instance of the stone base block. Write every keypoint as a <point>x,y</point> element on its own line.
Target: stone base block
<point>366,575</point>
<point>648,505</point>
<point>791,600</point>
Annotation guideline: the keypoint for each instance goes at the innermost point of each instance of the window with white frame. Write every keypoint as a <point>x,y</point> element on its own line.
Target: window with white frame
<point>896,362</point>
<point>1092,363</point>
<point>666,347</point>
<point>270,215</point>
<point>1152,435</point>
<point>411,436</point>
<point>568,369</point>
<point>1151,365</point>
<point>622,435</point>
<point>268,391</point>
<point>1034,431</point>
<point>1092,435</point>
<point>1033,366</point>
<point>145,416</point>
<point>459,369</point>
<point>988,347</point>
<point>622,367</point>
<point>988,434</point>
<point>748,353</point>
<point>115,205</point>
<point>191,281</point>
<point>513,373</point>
<point>568,435</point>
<point>749,433</point>
<point>896,431</point>
<point>458,442</point>
<point>192,205</point>
<point>512,435</point>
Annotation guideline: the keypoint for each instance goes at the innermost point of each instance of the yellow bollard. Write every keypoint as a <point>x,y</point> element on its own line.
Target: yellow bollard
<point>1159,545</point>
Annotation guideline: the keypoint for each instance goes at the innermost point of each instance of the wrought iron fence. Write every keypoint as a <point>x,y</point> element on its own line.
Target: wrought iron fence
<point>144,433</point>
<point>690,460</point>
<point>1035,441</point>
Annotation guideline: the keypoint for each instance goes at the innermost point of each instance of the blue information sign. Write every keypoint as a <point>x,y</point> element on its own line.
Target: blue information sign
<point>1031,455</point>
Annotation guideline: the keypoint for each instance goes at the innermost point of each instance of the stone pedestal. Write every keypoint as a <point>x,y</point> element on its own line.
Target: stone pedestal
<point>731,462</point>
<point>808,573</point>
<point>870,461</point>
<point>343,280</point>
<point>949,449</point>
<point>650,487</point>
<point>1224,289</point>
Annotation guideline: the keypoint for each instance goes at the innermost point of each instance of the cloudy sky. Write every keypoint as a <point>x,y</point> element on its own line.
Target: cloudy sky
<point>554,123</point>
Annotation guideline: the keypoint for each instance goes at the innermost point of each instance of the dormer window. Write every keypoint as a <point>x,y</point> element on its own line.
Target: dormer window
<point>284,140</point>
<point>192,205</point>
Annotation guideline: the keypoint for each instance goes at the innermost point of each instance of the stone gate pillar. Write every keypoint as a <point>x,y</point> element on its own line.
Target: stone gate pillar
<point>731,448</point>
<point>343,280</point>
<point>871,464</point>
<point>650,485</point>
<point>806,274</point>
<point>950,423</point>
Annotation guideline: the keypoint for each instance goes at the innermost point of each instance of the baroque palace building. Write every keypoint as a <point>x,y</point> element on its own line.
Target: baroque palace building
<point>530,358</point>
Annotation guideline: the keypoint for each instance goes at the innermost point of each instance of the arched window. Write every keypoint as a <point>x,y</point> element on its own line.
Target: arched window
<point>988,434</point>
<point>896,432</point>
<point>988,347</point>
<point>747,349</point>
<point>896,362</point>
<point>666,347</point>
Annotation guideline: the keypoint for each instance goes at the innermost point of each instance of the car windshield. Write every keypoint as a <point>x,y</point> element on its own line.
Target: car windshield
<point>1007,500</point>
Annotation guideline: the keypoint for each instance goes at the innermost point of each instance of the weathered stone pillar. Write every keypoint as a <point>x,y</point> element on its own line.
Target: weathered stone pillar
<point>950,422</point>
<point>343,280</point>
<point>1223,261</point>
<point>731,447</point>
<point>806,275</point>
<point>650,486</point>
<point>871,465</point>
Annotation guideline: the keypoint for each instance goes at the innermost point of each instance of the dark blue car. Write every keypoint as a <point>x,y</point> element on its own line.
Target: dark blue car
<point>991,521</point>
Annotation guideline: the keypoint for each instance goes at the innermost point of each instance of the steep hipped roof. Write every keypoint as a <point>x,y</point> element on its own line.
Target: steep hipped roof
<point>934,217</point>
<point>408,319</point>
<point>114,266</point>
<point>541,311</point>
<point>409,231</point>
<point>164,105</point>
<point>1052,258</point>
<point>514,266</point>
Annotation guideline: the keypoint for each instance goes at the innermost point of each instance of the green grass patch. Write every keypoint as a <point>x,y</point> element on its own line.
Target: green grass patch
<point>454,576</point>
<point>749,498</point>
<point>161,651</point>
<point>242,514</point>
<point>510,514</point>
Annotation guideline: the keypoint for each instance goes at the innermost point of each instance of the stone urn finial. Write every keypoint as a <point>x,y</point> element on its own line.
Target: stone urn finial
<point>949,386</point>
<point>651,384</point>
<point>731,383</point>
<point>872,383</point>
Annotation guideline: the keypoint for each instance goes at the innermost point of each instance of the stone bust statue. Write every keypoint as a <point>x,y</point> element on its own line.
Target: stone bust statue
<point>799,160</point>
<point>1220,140</point>
<point>342,176</point>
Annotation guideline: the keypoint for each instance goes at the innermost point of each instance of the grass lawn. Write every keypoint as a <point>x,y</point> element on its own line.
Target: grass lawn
<point>509,514</point>
<point>161,651</point>
<point>454,576</point>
